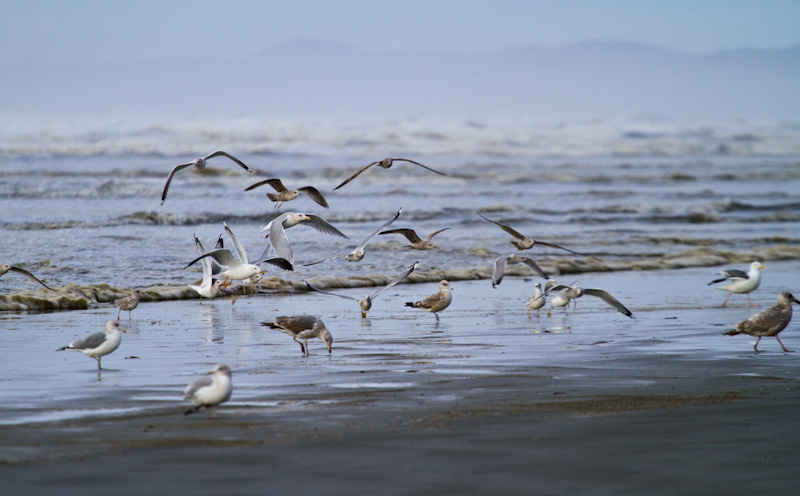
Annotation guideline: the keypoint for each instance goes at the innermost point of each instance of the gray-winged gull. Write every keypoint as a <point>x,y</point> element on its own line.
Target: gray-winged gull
<point>573,292</point>
<point>210,392</point>
<point>238,271</point>
<point>209,287</point>
<point>199,163</point>
<point>99,344</point>
<point>6,268</point>
<point>366,303</point>
<point>385,163</point>
<point>417,243</point>
<point>279,242</point>
<point>358,253</point>
<point>740,281</point>
<point>510,259</point>
<point>526,242</point>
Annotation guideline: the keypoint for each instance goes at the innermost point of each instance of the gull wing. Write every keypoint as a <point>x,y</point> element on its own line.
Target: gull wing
<point>532,264</point>
<point>606,297</point>
<point>322,225</point>
<point>222,256</point>
<point>504,228</point>
<point>410,234</point>
<point>172,173</point>
<point>356,174</point>
<point>279,242</point>
<point>417,163</point>
<point>236,244</point>
<point>267,181</point>
<point>731,274</point>
<point>315,195</point>
<point>276,261</point>
<point>553,245</point>
<point>225,154</point>
<point>89,342</point>
<point>28,275</point>
<point>312,288</point>
<point>375,233</point>
<point>207,270</point>
<point>197,386</point>
<point>434,233</point>
<point>397,279</point>
<point>499,270</point>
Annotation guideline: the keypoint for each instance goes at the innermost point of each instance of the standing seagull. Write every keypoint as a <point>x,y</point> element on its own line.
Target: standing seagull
<point>768,322</point>
<point>199,163</point>
<point>5,268</point>
<point>436,302</point>
<point>740,281</point>
<point>535,302</point>
<point>385,163</point>
<point>304,327</point>
<point>366,303</point>
<point>99,344</point>
<point>503,260</point>
<point>417,243</point>
<point>209,287</point>
<point>285,195</point>
<point>209,392</point>
<point>525,242</point>
<point>358,253</point>
<point>127,303</point>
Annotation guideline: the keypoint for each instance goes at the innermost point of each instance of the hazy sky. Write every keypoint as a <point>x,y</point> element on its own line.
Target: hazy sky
<point>85,30</point>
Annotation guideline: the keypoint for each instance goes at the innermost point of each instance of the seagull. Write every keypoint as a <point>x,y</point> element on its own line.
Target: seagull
<point>385,163</point>
<point>209,287</point>
<point>5,268</point>
<point>366,303</point>
<point>525,242</point>
<point>510,259</point>
<point>279,243</point>
<point>740,281</point>
<point>285,195</point>
<point>209,392</point>
<point>99,344</point>
<point>768,322</point>
<point>358,253</point>
<point>304,327</point>
<point>199,163</point>
<point>128,303</point>
<point>535,302</point>
<point>573,292</point>
<point>436,302</point>
<point>238,271</point>
<point>414,239</point>
<point>242,256</point>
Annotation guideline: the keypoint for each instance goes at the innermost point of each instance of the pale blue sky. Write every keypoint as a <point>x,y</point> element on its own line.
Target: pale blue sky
<point>87,30</point>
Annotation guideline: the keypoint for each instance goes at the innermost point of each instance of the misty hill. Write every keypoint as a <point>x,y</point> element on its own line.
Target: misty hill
<point>306,78</point>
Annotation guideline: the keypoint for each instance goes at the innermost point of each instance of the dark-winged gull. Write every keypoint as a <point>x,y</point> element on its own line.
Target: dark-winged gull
<point>436,302</point>
<point>99,344</point>
<point>510,259</point>
<point>238,271</point>
<point>210,392</point>
<point>385,163</point>
<point>128,303</point>
<point>366,303</point>
<point>199,163</point>
<point>525,242</point>
<point>358,253</point>
<point>740,281</point>
<point>6,268</point>
<point>417,243</point>
<point>276,232</point>
<point>573,292</point>
<point>304,327</point>
<point>768,322</point>
<point>285,195</point>
<point>209,287</point>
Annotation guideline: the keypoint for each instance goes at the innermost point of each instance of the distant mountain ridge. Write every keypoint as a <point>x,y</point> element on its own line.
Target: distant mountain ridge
<point>312,77</point>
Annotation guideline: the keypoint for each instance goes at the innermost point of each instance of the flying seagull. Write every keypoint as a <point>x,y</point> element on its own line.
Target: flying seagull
<point>385,163</point>
<point>199,163</point>
<point>417,243</point>
<point>5,268</point>
<point>238,271</point>
<point>285,195</point>
<point>358,253</point>
<point>279,243</point>
<point>525,242</point>
<point>574,292</point>
<point>366,303</point>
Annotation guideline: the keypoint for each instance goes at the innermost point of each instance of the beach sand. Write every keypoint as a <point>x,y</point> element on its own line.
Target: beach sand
<point>487,401</point>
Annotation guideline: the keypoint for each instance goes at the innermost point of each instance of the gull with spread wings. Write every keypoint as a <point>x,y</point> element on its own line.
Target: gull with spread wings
<point>199,163</point>
<point>284,195</point>
<point>358,253</point>
<point>385,163</point>
<point>526,242</point>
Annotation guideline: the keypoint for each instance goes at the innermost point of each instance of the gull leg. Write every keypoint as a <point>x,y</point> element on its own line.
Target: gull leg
<point>119,312</point>
<point>302,348</point>
<point>307,353</point>
<point>98,363</point>
<point>363,315</point>
<point>437,316</point>
<point>755,346</point>
<point>751,302</point>
<point>782,346</point>
<point>129,314</point>
<point>725,303</point>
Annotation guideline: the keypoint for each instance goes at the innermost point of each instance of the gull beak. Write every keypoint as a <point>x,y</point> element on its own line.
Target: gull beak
<point>761,267</point>
<point>121,329</point>
<point>261,272</point>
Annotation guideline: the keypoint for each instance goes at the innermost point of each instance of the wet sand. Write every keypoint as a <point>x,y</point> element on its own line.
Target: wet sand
<point>488,401</point>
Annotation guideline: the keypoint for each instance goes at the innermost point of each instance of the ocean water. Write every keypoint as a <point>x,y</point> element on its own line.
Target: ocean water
<point>80,200</point>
